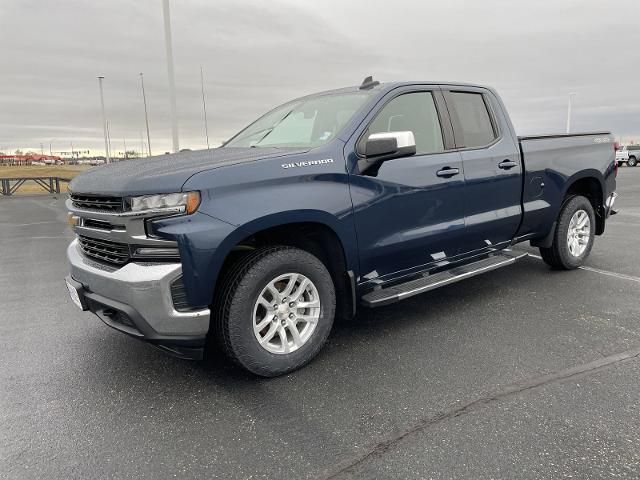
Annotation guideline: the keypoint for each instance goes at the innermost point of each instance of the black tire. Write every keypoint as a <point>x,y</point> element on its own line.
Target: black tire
<point>632,162</point>
<point>233,308</point>
<point>558,256</point>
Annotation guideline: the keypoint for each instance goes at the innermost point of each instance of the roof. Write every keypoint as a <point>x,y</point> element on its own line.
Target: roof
<point>384,87</point>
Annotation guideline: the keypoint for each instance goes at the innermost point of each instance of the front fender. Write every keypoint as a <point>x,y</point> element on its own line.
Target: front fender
<point>205,242</point>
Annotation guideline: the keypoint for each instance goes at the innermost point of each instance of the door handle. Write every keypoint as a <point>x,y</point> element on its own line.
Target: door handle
<point>507,164</point>
<point>447,172</point>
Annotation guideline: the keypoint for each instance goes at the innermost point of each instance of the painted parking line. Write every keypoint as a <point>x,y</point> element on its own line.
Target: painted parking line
<point>43,237</point>
<point>30,224</point>
<point>622,276</point>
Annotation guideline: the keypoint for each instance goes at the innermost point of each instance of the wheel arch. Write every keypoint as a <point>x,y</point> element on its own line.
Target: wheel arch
<point>319,233</point>
<point>589,184</point>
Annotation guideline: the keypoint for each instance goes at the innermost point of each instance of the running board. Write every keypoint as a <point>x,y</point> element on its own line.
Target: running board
<point>385,296</point>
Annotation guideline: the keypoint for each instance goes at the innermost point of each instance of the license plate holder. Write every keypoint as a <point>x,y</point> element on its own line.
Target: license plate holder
<point>75,295</point>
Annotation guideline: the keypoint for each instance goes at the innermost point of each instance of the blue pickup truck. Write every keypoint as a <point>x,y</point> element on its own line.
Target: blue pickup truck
<point>358,197</point>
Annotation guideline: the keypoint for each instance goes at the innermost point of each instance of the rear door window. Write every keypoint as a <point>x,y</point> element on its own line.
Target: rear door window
<point>475,128</point>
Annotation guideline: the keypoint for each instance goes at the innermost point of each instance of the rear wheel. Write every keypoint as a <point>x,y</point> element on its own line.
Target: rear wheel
<point>574,235</point>
<point>275,310</point>
<point>632,162</point>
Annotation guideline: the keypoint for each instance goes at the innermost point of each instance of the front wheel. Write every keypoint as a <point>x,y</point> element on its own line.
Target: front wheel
<point>574,235</point>
<point>275,310</point>
<point>632,162</point>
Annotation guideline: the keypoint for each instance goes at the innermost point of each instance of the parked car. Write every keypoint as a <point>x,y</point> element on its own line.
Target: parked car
<point>633,152</point>
<point>622,155</point>
<point>358,197</point>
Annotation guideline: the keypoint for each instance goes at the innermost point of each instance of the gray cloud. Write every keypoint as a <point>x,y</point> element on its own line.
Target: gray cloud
<point>258,54</point>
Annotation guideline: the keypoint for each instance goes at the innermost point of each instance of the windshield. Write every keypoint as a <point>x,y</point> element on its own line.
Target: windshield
<point>304,123</point>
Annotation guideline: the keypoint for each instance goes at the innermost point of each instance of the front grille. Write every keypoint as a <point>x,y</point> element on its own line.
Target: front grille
<point>96,224</point>
<point>98,202</point>
<point>105,250</point>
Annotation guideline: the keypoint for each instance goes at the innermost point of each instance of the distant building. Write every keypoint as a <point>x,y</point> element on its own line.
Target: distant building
<point>30,159</point>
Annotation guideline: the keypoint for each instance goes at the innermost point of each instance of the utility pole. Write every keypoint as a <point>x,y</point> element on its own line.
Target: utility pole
<point>146,117</point>
<point>50,142</point>
<point>571,95</point>
<point>124,140</point>
<point>41,149</point>
<point>171,74</point>
<point>204,107</point>
<point>104,122</point>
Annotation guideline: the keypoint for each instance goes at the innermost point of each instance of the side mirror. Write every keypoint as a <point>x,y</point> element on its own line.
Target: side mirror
<point>386,146</point>
<point>390,145</point>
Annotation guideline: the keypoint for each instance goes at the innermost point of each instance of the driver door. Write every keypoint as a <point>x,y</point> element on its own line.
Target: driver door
<point>409,212</point>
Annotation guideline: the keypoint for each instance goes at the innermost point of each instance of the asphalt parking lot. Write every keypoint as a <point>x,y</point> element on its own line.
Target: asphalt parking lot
<point>519,373</point>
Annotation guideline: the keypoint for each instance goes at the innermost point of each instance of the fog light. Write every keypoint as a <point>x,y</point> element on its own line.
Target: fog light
<point>73,220</point>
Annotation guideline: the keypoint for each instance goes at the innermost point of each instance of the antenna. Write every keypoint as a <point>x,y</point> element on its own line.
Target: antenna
<point>368,83</point>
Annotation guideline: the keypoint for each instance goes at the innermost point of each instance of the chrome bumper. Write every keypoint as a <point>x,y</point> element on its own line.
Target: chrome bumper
<point>142,291</point>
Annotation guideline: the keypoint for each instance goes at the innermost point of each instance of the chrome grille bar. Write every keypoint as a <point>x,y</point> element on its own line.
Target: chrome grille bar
<point>100,203</point>
<point>112,252</point>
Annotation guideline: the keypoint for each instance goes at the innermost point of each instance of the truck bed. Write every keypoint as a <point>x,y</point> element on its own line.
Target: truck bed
<point>552,161</point>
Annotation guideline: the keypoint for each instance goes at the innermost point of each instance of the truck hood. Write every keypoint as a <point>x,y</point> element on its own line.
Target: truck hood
<point>166,173</point>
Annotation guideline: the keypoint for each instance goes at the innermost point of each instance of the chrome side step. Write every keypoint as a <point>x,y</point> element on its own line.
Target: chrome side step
<point>385,296</point>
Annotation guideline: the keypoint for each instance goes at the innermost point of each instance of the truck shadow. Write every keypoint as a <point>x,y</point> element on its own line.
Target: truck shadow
<point>446,307</point>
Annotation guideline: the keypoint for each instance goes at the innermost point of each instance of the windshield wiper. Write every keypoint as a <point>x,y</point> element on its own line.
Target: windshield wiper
<point>254,133</point>
<point>269,130</point>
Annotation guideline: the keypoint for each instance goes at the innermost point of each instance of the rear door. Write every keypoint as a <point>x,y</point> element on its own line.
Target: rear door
<point>492,167</point>
<point>409,213</point>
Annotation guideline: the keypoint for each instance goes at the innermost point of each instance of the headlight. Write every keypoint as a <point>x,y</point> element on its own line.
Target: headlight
<point>187,202</point>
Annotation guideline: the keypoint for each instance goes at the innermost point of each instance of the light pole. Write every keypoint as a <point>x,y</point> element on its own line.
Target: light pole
<point>146,117</point>
<point>204,107</point>
<point>170,73</point>
<point>571,95</point>
<point>104,121</point>
<point>108,136</point>
<point>50,143</point>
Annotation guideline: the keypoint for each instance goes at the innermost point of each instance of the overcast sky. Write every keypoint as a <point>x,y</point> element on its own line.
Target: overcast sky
<point>257,54</point>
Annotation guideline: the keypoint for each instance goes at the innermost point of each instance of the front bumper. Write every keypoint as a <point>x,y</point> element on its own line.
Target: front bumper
<point>136,299</point>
